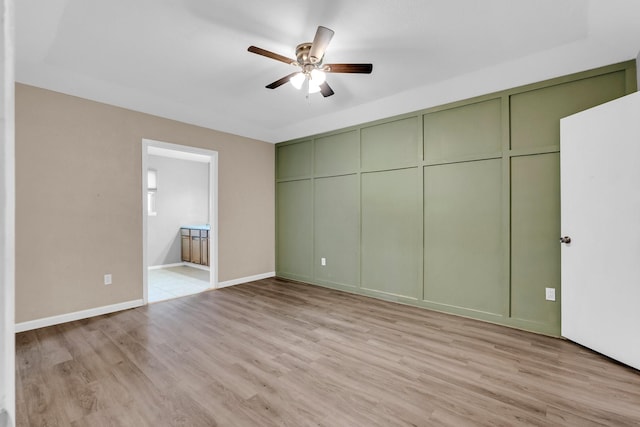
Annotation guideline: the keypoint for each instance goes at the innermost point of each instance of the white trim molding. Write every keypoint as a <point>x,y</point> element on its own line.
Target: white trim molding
<point>7,214</point>
<point>77,315</point>
<point>160,267</point>
<point>179,264</point>
<point>242,280</point>
<point>198,266</point>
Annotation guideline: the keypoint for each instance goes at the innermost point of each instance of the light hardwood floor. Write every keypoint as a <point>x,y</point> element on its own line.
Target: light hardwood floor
<point>275,352</point>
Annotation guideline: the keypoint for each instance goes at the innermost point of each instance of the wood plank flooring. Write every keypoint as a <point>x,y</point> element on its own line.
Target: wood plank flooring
<point>275,352</point>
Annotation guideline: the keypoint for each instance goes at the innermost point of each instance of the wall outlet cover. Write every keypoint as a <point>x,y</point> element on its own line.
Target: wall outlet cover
<point>107,279</point>
<point>550,294</point>
<point>323,261</point>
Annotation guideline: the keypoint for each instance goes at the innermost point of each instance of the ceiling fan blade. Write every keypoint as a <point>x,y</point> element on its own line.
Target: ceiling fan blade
<point>271,55</point>
<point>280,82</point>
<point>320,43</point>
<point>348,68</point>
<point>326,90</point>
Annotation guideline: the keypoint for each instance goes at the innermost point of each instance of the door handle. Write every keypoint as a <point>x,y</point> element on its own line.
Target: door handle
<point>565,239</point>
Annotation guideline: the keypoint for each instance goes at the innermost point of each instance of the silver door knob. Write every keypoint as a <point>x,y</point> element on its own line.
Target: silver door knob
<point>565,239</point>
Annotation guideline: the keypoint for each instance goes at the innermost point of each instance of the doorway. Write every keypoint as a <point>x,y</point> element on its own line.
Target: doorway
<point>166,268</point>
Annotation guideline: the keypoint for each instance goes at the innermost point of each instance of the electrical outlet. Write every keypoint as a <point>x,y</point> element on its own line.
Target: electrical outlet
<point>550,294</point>
<point>323,261</point>
<point>107,279</point>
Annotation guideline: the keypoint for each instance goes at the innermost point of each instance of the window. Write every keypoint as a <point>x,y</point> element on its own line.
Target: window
<point>152,190</point>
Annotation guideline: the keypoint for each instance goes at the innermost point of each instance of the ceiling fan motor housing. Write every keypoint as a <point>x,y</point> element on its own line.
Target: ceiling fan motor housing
<point>302,56</point>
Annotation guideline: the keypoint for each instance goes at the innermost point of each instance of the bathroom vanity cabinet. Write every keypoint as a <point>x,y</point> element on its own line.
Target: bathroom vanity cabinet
<point>195,244</point>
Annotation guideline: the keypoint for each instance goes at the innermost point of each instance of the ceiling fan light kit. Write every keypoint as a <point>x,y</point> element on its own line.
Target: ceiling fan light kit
<point>309,58</point>
<point>297,80</point>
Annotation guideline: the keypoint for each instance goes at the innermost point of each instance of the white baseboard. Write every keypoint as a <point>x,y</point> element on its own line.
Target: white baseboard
<point>179,264</point>
<point>158,267</point>
<point>77,315</point>
<point>84,314</point>
<point>200,266</point>
<point>245,279</point>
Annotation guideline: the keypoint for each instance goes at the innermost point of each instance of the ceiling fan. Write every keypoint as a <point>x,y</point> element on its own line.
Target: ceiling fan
<point>312,71</point>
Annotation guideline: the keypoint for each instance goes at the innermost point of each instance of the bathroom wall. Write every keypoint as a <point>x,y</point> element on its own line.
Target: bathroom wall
<point>182,198</point>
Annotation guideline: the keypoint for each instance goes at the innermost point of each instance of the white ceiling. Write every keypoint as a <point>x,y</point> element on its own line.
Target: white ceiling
<point>187,59</point>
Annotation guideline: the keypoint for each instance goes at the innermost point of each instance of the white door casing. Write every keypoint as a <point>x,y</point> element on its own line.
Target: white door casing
<point>7,217</point>
<point>184,152</point>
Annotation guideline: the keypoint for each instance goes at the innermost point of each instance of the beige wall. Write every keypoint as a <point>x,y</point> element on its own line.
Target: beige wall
<point>79,201</point>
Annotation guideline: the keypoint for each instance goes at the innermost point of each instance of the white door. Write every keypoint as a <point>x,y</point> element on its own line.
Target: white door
<point>600,194</point>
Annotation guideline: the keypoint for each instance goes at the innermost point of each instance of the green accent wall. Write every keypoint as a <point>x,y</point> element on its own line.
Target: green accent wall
<point>473,129</point>
<point>294,161</point>
<point>535,114</point>
<point>390,145</point>
<point>535,231</point>
<point>455,208</point>
<point>294,238</point>
<point>337,154</point>
<point>337,230</point>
